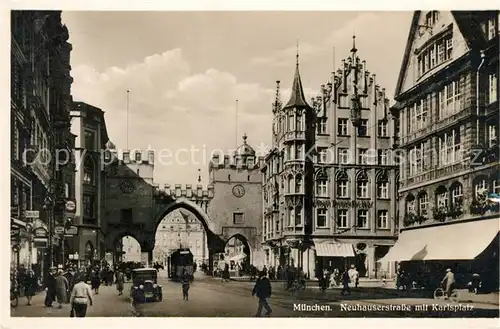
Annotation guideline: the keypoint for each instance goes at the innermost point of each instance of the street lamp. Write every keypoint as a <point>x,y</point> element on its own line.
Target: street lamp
<point>48,206</point>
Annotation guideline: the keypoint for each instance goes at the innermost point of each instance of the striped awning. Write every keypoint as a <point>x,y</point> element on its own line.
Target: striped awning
<point>327,249</point>
<point>238,257</point>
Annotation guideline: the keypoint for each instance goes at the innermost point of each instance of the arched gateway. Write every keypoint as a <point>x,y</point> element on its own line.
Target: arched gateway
<point>135,206</point>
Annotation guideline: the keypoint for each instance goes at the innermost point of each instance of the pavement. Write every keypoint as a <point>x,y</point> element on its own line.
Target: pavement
<point>210,297</point>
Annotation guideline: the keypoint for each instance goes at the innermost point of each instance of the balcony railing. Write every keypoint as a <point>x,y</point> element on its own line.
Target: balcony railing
<point>437,173</point>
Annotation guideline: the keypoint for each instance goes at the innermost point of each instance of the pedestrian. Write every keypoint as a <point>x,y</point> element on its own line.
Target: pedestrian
<point>95,282</point>
<point>185,278</point>
<point>120,280</point>
<point>62,287</point>
<point>262,290</point>
<point>346,279</point>
<point>50,287</point>
<point>81,297</point>
<point>356,277</point>
<point>30,285</point>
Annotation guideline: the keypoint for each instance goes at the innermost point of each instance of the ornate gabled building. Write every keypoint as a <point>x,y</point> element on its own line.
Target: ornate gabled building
<point>447,105</point>
<point>329,180</point>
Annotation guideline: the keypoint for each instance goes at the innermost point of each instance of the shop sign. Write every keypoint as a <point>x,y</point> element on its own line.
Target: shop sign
<point>70,206</point>
<point>40,243</point>
<point>32,214</point>
<point>71,230</point>
<point>59,230</point>
<point>41,232</point>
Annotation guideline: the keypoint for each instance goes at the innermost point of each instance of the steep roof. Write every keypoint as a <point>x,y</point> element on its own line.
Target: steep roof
<point>297,98</point>
<point>466,22</point>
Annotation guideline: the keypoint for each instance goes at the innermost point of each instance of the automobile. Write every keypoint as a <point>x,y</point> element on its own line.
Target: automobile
<point>145,285</point>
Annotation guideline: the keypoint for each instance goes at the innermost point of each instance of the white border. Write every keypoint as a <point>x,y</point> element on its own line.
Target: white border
<point>194,5</point>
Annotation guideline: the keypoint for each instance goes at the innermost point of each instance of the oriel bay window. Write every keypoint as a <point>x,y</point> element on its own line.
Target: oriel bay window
<point>321,217</point>
<point>299,122</point>
<point>298,184</point>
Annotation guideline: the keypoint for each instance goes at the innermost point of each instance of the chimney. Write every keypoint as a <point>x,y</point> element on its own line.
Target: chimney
<point>215,160</point>
<point>126,156</point>
<point>151,157</point>
<point>178,191</point>
<point>189,190</point>
<point>226,160</point>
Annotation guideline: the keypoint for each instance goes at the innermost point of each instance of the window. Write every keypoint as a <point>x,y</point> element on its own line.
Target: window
<point>382,128</point>
<point>299,122</point>
<point>479,187</point>
<point>88,206</point>
<point>363,156</point>
<point>88,171</point>
<point>383,219</point>
<point>493,85</point>
<point>382,157</point>
<point>435,54</point>
<point>322,187</point>
<point>363,128</point>
<point>291,122</point>
<point>298,216</point>
<point>456,194</point>
<point>322,155</point>
<point>291,217</point>
<point>431,18</point>
<point>289,184</point>
<point>89,140</point>
<point>342,220</point>
<point>496,186</point>
<point>66,190</point>
<point>492,135</point>
<point>298,184</point>
<point>321,216</point>
<point>449,148</point>
<point>442,199</point>
<point>343,155</point>
<point>238,218</point>
<point>383,190</point>
<point>419,111</point>
<point>343,101</point>
<point>362,218</point>
<point>342,189</point>
<point>492,29</point>
<point>410,205</point>
<point>299,152</point>
<point>138,156</point>
<point>15,141</point>
<point>423,203</point>
<point>416,159</point>
<point>14,192</point>
<point>450,98</point>
<point>362,190</point>
<point>322,126</point>
<point>342,128</point>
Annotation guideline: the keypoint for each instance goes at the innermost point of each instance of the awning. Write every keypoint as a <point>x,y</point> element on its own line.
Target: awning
<point>238,257</point>
<point>458,241</point>
<point>327,249</point>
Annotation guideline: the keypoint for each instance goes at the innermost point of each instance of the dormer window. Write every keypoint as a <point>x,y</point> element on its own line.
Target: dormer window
<point>138,156</point>
<point>431,18</point>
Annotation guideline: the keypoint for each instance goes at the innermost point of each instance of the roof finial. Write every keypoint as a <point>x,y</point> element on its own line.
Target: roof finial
<point>199,175</point>
<point>297,51</point>
<point>244,138</point>
<point>353,50</point>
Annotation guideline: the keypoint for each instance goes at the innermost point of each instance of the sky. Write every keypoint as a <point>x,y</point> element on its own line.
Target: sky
<point>199,80</point>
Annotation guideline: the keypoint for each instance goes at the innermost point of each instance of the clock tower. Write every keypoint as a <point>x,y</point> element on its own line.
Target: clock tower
<point>237,202</point>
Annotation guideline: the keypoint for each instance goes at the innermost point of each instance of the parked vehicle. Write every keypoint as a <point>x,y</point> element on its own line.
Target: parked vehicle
<point>178,261</point>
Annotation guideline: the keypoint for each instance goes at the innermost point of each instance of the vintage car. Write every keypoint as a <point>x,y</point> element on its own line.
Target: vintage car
<point>145,286</point>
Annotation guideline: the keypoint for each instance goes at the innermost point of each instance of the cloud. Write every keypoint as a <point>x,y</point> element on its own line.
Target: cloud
<point>282,57</point>
<point>176,110</point>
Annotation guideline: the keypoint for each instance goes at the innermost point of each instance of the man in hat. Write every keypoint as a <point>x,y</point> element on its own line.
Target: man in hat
<point>50,287</point>
<point>449,280</point>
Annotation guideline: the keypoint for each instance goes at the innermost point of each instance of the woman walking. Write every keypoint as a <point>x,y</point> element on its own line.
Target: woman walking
<point>81,296</point>
<point>30,286</point>
<point>62,287</point>
<point>95,281</point>
<point>120,280</point>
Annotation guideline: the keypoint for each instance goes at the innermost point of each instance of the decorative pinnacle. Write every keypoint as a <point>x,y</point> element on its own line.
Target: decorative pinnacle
<point>199,175</point>
<point>297,51</point>
<point>244,138</point>
<point>353,50</point>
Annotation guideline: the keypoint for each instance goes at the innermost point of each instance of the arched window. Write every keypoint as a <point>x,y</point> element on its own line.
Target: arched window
<point>362,185</point>
<point>456,193</point>
<point>298,184</point>
<point>321,187</point>
<point>88,171</point>
<point>410,204</point>
<point>423,203</point>
<point>342,185</point>
<point>382,186</point>
<point>441,197</point>
<point>290,184</point>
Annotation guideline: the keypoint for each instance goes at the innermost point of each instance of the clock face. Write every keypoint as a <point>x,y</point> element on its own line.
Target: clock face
<point>127,187</point>
<point>238,191</point>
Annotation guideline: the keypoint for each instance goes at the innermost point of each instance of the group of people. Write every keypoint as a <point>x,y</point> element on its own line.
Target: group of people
<point>334,278</point>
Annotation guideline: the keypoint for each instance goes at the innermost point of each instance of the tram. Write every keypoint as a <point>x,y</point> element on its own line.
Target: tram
<point>179,260</point>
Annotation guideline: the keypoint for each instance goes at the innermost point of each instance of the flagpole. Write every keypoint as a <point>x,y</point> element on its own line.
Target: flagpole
<point>128,95</point>
<point>236,124</point>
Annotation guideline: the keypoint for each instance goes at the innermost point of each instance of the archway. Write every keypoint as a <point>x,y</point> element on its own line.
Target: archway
<point>236,256</point>
<point>130,249</point>
<point>180,229</point>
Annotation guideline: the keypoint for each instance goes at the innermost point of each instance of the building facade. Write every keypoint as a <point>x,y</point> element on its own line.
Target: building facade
<point>351,179</point>
<point>89,126</point>
<point>447,105</point>
<point>179,229</point>
<point>40,103</point>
